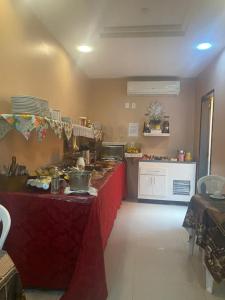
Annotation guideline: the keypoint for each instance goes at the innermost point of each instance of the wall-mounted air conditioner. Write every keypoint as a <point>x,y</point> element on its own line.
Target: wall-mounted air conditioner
<point>145,88</point>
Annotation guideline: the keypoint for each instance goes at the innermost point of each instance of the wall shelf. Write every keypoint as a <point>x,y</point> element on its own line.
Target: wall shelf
<point>156,134</point>
<point>129,155</point>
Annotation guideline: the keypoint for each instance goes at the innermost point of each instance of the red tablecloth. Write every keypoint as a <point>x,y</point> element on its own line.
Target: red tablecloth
<point>57,241</point>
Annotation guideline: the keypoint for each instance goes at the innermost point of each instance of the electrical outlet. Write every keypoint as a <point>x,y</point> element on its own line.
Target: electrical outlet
<point>127,105</point>
<point>133,105</point>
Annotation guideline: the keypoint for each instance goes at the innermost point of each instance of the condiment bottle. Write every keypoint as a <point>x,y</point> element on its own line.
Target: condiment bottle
<point>181,155</point>
<point>188,156</point>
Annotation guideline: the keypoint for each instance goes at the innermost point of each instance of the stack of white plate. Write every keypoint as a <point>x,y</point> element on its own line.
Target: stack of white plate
<point>29,105</point>
<point>55,114</point>
<point>44,109</point>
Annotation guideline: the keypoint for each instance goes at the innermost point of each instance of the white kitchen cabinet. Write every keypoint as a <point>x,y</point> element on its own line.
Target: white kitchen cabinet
<point>166,181</point>
<point>145,184</point>
<point>160,185</point>
<point>152,182</point>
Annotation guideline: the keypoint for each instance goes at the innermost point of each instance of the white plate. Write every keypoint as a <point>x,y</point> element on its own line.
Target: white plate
<point>219,197</point>
<point>91,191</point>
<point>69,191</point>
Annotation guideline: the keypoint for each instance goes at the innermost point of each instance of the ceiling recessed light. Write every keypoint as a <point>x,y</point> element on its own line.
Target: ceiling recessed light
<point>204,46</point>
<point>84,48</point>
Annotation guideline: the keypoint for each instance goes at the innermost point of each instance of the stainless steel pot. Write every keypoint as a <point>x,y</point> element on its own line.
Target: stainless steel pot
<point>79,180</point>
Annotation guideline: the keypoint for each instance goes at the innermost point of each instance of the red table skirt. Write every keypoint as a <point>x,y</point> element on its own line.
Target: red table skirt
<point>58,241</point>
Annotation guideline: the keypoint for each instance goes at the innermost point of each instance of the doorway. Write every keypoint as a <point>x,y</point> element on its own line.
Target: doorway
<point>206,130</point>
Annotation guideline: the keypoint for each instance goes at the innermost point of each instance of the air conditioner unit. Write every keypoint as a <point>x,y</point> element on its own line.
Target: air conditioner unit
<point>145,88</point>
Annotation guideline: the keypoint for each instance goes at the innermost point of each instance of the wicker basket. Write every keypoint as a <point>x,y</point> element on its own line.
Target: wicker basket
<point>12,183</point>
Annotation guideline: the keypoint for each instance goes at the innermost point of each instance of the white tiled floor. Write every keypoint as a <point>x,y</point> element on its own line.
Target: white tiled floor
<point>147,258</point>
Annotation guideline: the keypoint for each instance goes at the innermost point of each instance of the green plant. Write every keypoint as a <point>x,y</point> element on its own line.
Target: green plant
<point>155,112</point>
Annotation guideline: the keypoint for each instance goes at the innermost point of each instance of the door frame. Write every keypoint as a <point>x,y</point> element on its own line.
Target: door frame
<point>204,98</point>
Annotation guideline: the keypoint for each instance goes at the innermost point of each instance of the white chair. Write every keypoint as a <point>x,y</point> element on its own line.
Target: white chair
<point>6,223</point>
<point>211,184</point>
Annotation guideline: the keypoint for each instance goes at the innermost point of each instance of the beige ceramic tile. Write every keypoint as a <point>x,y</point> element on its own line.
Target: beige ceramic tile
<point>162,290</point>
<point>43,295</point>
<point>162,267</point>
<point>218,293</point>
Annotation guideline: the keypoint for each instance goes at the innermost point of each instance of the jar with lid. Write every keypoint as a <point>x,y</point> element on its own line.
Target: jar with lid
<point>89,125</point>
<point>83,121</point>
<point>166,125</point>
<point>80,163</point>
<point>146,127</point>
<point>188,156</point>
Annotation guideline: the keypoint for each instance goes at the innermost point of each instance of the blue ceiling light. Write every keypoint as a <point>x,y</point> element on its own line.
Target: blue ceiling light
<point>204,46</point>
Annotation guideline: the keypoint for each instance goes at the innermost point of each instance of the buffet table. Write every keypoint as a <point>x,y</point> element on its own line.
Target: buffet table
<point>58,241</point>
<point>206,217</point>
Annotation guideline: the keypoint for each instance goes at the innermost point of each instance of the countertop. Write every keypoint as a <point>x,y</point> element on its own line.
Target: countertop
<point>167,161</point>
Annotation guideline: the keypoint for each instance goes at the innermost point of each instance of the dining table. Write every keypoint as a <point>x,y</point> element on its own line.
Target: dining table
<point>57,241</point>
<point>206,216</point>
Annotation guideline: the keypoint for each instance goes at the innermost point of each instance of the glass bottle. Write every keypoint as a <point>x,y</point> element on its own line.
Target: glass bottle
<point>55,182</point>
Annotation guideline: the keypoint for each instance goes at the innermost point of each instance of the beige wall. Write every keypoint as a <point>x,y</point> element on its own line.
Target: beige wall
<point>108,98</point>
<point>213,77</point>
<point>33,63</point>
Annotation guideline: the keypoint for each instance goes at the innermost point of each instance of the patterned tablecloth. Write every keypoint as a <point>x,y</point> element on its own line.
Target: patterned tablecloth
<point>207,217</point>
<point>58,241</point>
<point>10,283</point>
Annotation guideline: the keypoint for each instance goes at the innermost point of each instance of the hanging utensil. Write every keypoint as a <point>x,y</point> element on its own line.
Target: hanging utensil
<point>12,167</point>
<point>75,147</point>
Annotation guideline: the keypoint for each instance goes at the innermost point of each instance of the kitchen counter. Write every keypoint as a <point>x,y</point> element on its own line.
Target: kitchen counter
<point>167,161</point>
<point>166,180</point>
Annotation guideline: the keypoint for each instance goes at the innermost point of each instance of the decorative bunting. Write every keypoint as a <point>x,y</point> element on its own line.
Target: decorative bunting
<point>4,128</point>
<point>68,129</point>
<point>79,130</point>
<point>25,124</point>
<point>41,128</point>
<point>22,123</point>
<point>56,126</point>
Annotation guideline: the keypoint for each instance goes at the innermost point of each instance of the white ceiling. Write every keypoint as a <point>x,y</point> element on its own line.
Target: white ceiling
<point>153,37</point>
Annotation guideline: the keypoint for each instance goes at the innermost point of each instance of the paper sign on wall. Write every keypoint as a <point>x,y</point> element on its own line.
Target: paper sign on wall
<point>133,129</point>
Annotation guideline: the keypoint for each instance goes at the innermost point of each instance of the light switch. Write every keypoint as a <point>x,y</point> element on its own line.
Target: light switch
<point>127,105</point>
<point>133,105</point>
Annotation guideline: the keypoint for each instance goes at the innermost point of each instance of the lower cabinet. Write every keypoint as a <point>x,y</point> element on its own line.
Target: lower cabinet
<point>152,185</point>
<point>166,181</point>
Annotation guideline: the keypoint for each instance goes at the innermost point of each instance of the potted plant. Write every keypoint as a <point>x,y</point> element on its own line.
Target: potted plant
<point>155,113</point>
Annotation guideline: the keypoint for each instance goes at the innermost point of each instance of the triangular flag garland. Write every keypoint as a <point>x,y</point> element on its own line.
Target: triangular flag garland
<point>25,124</point>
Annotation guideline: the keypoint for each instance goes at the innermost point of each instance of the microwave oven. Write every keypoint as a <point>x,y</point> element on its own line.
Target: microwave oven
<point>112,151</point>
